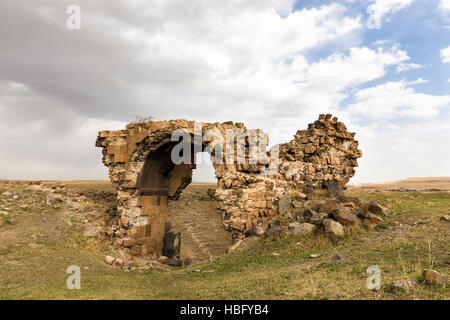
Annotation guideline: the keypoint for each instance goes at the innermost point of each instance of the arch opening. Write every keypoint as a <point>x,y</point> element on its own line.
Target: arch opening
<point>175,208</point>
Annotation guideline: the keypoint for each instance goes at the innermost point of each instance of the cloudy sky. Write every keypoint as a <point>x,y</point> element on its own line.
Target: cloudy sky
<point>381,66</point>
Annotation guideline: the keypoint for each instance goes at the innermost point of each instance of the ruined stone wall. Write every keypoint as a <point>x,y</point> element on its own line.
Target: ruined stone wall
<point>145,177</point>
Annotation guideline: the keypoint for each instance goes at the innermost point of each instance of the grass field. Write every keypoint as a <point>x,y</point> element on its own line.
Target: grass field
<point>37,244</point>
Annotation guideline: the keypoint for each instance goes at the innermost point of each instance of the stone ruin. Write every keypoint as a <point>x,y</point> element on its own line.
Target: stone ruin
<point>251,198</point>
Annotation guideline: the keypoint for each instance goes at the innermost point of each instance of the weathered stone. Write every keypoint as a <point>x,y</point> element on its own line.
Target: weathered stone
<point>261,228</point>
<point>346,199</point>
<point>372,207</point>
<point>345,217</point>
<point>333,229</point>
<point>407,285</point>
<point>109,260</point>
<point>163,259</point>
<point>371,220</point>
<point>228,183</point>
<point>129,243</point>
<point>284,206</point>
<point>334,189</point>
<point>301,229</point>
<point>318,217</point>
<point>328,206</point>
<point>274,231</point>
<point>434,277</point>
<point>136,250</point>
<point>118,263</point>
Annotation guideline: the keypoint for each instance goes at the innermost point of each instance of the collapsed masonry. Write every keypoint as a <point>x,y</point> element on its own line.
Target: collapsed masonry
<point>145,177</point>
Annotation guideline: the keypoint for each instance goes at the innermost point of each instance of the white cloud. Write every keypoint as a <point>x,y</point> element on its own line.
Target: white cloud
<point>445,4</point>
<point>418,81</point>
<point>445,54</point>
<point>396,100</point>
<point>379,10</point>
<point>402,67</point>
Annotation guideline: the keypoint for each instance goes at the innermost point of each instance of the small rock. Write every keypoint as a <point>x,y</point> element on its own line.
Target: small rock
<point>373,207</point>
<point>297,204</point>
<point>274,231</point>
<point>173,262</point>
<point>318,218</point>
<point>109,260</point>
<point>302,229</point>
<point>345,217</point>
<point>328,206</point>
<point>261,228</point>
<point>51,199</point>
<point>371,220</point>
<point>446,217</point>
<point>333,229</point>
<point>228,183</point>
<point>339,258</point>
<point>346,199</point>
<point>406,284</point>
<point>118,263</point>
<point>434,277</point>
<point>163,259</point>
<point>315,255</point>
<point>284,206</point>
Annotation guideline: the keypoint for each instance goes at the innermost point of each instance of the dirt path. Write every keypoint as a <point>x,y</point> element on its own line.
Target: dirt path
<point>194,215</point>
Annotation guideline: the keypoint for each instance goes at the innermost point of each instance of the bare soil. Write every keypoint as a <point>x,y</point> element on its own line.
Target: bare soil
<point>195,216</point>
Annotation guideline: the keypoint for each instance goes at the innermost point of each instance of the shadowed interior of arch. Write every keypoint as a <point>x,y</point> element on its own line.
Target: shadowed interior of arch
<point>160,185</point>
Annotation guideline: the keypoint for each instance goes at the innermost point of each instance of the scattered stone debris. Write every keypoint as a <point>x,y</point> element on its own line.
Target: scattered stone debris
<point>109,260</point>
<point>333,229</point>
<point>302,229</point>
<point>339,258</point>
<point>434,277</point>
<point>118,263</point>
<point>163,259</point>
<point>315,255</point>
<point>407,285</point>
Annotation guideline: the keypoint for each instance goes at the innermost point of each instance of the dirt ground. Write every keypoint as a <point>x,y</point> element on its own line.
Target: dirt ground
<point>195,216</point>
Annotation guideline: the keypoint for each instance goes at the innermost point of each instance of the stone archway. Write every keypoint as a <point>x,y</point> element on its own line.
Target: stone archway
<point>141,169</point>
